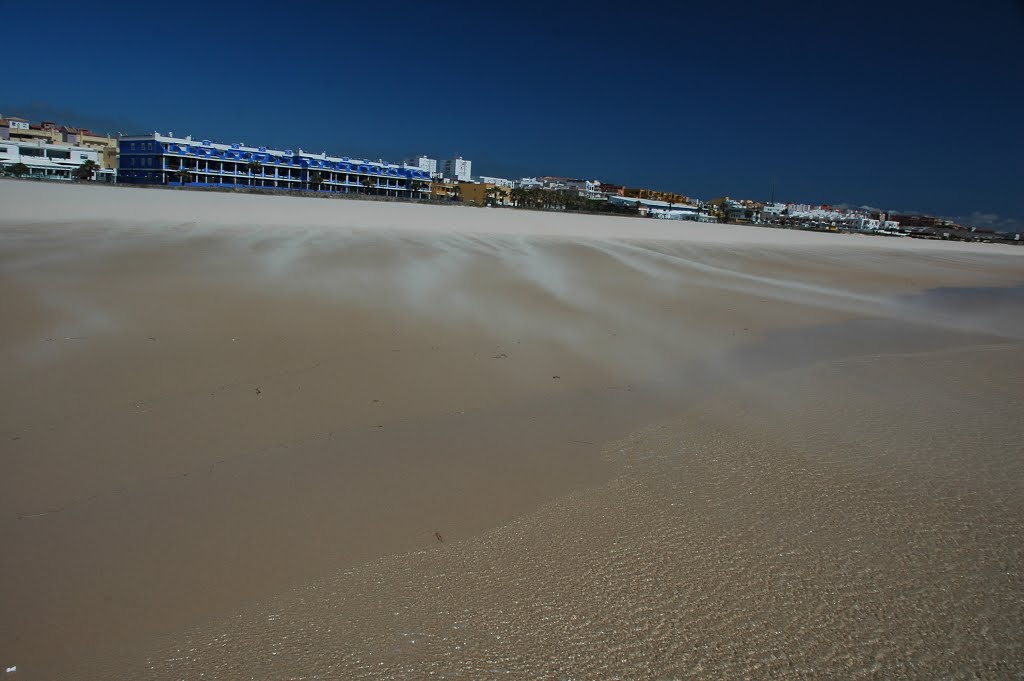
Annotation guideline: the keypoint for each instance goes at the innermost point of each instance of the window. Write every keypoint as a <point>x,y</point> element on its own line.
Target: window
<point>133,146</point>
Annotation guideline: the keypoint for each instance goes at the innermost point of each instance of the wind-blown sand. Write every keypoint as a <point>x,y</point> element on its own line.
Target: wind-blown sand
<point>273,437</point>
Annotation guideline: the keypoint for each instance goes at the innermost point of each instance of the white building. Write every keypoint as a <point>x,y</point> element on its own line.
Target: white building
<point>870,225</point>
<point>423,163</point>
<point>529,183</point>
<point>662,209</point>
<point>457,168</point>
<point>864,224</point>
<point>590,189</point>
<point>52,161</point>
<point>496,181</point>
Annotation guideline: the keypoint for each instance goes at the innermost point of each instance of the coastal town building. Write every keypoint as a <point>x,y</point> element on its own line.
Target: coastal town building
<point>423,163</point>
<point>485,194</point>
<point>664,210</point>
<point>163,159</point>
<point>444,190</point>
<point>590,189</point>
<point>497,181</point>
<point>19,129</point>
<point>43,159</point>
<point>529,183</point>
<point>913,220</point>
<point>105,145</point>
<point>609,189</point>
<point>862,224</point>
<point>654,194</point>
<point>457,169</point>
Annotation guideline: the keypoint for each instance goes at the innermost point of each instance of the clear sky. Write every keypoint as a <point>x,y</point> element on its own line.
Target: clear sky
<point>901,104</point>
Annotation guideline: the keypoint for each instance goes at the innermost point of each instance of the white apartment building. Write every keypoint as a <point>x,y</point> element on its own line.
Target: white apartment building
<point>51,161</point>
<point>663,209</point>
<point>496,181</point>
<point>590,189</point>
<point>423,163</point>
<point>457,168</point>
<point>870,225</point>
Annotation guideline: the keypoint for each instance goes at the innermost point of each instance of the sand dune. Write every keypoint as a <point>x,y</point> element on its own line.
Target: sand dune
<point>239,433</point>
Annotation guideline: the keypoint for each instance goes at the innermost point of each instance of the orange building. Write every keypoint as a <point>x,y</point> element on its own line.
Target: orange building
<point>654,195</point>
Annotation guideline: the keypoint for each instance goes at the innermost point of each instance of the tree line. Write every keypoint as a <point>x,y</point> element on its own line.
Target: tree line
<point>547,199</point>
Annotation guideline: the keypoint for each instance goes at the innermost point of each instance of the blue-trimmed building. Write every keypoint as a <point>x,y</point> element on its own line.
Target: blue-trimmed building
<point>162,159</point>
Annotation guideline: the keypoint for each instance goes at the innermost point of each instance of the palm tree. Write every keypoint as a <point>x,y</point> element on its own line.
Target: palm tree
<point>18,169</point>
<point>368,184</point>
<point>317,178</point>
<point>85,171</point>
<point>254,167</point>
<point>183,173</point>
<point>457,193</point>
<point>493,193</point>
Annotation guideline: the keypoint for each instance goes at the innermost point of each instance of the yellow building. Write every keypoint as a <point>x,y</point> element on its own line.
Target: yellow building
<point>443,191</point>
<point>654,195</point>
<point>20,130</point>
<point>484,194</point>
<point>107,146</point>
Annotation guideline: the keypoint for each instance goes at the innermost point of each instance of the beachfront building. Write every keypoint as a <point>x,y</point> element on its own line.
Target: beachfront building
<point>529,183</point>
<point>609,189</point>
<point>83,137</point>
<point>590,189</point>
<point>423,163</point>
<point>862,224</point>
<point>19,129</point>
<point>457,169</point>
<point>662,209</point>
<point>496,181</point>
<point>654,194</point>
<point>43,159</point>
<point>485,194</point>
<point>167,160</point>
<point>445,190</point>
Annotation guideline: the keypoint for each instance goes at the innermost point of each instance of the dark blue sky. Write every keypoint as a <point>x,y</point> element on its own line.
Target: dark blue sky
<point>902,105</point>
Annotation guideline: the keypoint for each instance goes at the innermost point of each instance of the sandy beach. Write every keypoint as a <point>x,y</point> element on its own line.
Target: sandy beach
<point>274,437</point>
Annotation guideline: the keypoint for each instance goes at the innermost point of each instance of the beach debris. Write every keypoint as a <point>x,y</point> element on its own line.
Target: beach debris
<point>439,537</point>
<point>500,355</point>
<point>152,338</point>
<point>258,391</point>
<point>13,668</point>
<point>556,377</point>
<point>582,442</point>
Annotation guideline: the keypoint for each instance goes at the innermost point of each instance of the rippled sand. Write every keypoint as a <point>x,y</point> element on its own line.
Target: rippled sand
<point>846,537</point>
<point>252,437</point>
